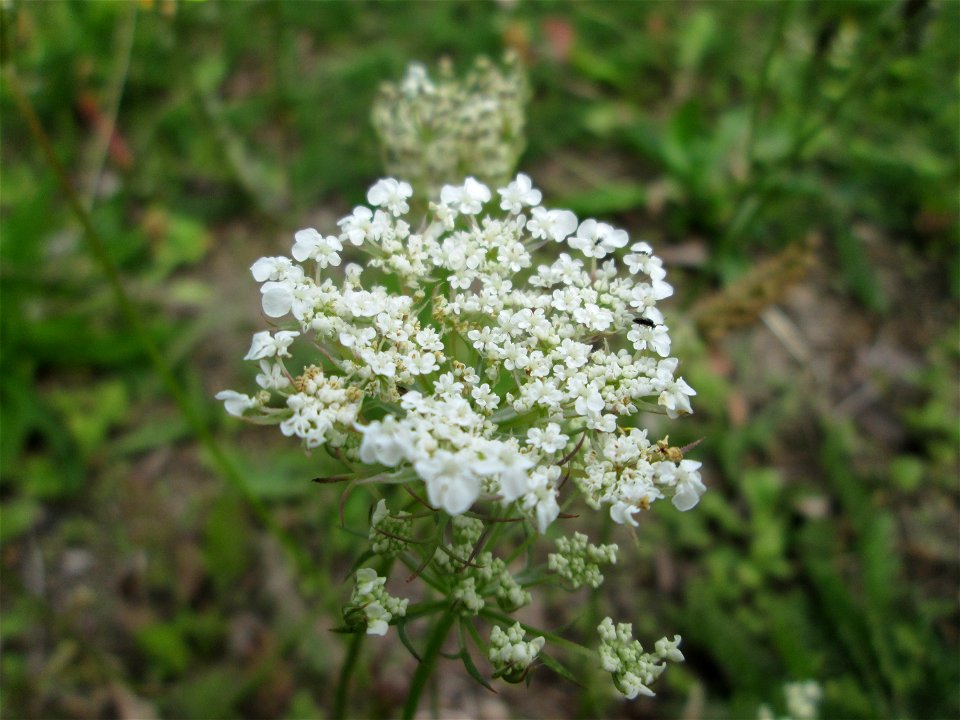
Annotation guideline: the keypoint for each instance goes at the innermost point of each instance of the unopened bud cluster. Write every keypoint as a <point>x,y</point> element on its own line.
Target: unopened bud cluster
<point>439,130</point>
<point>510,654</point>
<point>578,561</point>
<point>371,608</point>
<point>477,575</point>
<point>389,534</point>
<point>634,670</point>
<point>803,701</point>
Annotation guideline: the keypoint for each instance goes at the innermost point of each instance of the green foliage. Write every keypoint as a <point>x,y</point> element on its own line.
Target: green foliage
<point>238,123</point>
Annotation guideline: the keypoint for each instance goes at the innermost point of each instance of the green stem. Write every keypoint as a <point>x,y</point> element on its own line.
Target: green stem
<point>346,671</point>
<point>428,662</point>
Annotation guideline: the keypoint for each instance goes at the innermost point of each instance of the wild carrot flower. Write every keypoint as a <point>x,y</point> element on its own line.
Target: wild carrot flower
<point>483,377</point>
<point>485,367</point>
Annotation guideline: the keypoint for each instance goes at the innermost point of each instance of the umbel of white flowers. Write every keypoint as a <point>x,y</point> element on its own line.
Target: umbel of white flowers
<point>437,130</point>
<point>453,358</point>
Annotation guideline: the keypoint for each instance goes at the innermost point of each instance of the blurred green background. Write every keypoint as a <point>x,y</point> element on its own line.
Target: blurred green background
<point>796,165</point>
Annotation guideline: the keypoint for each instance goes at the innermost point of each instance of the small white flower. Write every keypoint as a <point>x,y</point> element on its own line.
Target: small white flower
<point>368,581</point>
<point>235,403</point>
<point>519,193</point>
<point>375,607</point>
<point>484,397</point>
<point>378,619</point>
<point>467,199</point>
<point>642,260</point>
<point>363,225</point>
<point>597,239</point>
<point>421,363</point>
<point>656,338</point>
<point>589,401</point>
<point>675,398</point>
<point>381,443</point>
<point>550,439</point>
<point>593,316</point>
<point>392,195</point>
<point>417,81</point>
<point>265,345</point>
<point>557,225</point>
<point>451,484</point>
<point>311,245</point>
<point>689,486</point>
<point>359,337</point>
<point>622,513</point>
<point>271,268</point>
<point>272,377</point>
<point>509,654</point>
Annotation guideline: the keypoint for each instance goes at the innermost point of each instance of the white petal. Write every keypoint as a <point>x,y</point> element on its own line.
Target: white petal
<point>277,299</point>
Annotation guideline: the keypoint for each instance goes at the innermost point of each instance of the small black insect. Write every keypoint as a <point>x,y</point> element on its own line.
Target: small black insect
<point>644,321</point>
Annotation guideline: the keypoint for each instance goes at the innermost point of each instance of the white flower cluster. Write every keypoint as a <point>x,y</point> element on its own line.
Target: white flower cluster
<point>629,473</point>
<point>477,575</point>
<point>510,654</point>
<point>436,130</point>
<point>578,561</point>
<point>633,670</point>
<point>371,607</point>
<point>467,365</point>
<point>803,701</point>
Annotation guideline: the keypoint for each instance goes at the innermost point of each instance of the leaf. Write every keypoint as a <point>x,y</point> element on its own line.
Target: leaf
<point>91,412</point>
<point>474,672</point>
<point>19,516</point>
<point>466,657</point>
<point>165,646</point>
<point>176,239</point>
<point>405,639</point>
<point>696,38</point>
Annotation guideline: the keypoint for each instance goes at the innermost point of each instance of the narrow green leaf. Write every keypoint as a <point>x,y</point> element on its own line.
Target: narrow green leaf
<point>466,624</point>
<point>405,639</point>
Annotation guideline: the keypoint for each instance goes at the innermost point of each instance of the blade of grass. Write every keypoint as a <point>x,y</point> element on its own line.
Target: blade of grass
<point>118,82</point>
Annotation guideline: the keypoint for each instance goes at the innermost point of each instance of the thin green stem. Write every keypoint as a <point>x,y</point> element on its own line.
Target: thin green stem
<point>346,671</point>
<point>428,662</point>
